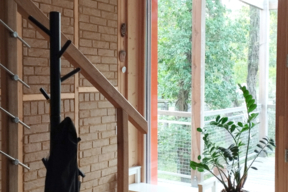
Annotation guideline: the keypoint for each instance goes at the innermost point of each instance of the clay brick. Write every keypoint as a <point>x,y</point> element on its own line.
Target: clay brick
<point>28,70</point>
<point>88,51</point>
<point>112,23</point>
<point>113,140</point>
<point>48,8</point>
<point>102,67</point>
<point>107,134</point>
<point>100,143</point>
<point>42,172</point>
<point>101,44</point>
<point>107,179</point>
<point>84,18</point>
<point>105,52</point>
<point>36,165</point>
<point>113,67</point>
<point>39,79</point>
<point>106,7</point>
<point>46,145</point>
<point>29,33</point>
<point>28,176</point>
<point>109,171</point>
<point>36,43</point>
<point>29,61</point>
<point>85,43</point>
<point>98,21</point>
<point>89,137</point>
<point>105,104</point>
<point>92,175</point>
<point>88,160</point>
<point>113,45</point>
<point>99,166</point>
<point>85,169</point>
<point>109,15</point>
<point>111,111</point>
<point>110,38</point>
<point>98,128</point>
<point>68,30</point>
<point>32,147</point>
<point>109,60</point>
<point>98,112</point>
<point>108,119</point>
<point>37,156</point>
<point>108,75</point>
<point>88,27</point>
<point>92,152</point>
<point>88,105</point>
<point>89,184</point>
<point>113,2</point>
<point>103,187</point>
<point>111,126</point>
<point>32,120</point>
<point>92,121</point>
<point>45,118</point>
<point>34,108</point>
<point>109,148</point>
<point>84,114</point>
<point>94,59</point>
<point>63,3</point>
<point>105,157</point>
<point>39,36</point>
<point>86,145</point>
<point>68,12</point>
<point>44,53</point>
<point>42,70</point>
<point>88,3</point>
<point>93,12</point>
<point>34,184</point>
<point>26,107</point>
<point>39,137</point>
<point>43,1</point>
<point>66,106</point>
<point>112,162</point>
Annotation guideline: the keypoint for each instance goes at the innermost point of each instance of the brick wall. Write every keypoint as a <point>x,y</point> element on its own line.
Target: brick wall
<point>97,119</point>
<point>98,147</point>
<point>98,36</point>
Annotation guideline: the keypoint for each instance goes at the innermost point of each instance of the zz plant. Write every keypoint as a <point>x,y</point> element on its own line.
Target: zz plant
<point>232,173</point>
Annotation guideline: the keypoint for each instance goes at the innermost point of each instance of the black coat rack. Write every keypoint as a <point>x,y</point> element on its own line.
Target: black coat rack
<point>55,69</point>
<point>64,137</point>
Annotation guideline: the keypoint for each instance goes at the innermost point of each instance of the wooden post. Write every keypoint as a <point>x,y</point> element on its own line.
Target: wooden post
<point>281,178</point>
<point>122,151</point>
<point>264,68</point>
<point>198,80</point>
<point>12,133</point>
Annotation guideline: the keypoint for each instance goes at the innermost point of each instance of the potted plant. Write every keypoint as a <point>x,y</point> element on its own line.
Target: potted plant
<point>233,172</point>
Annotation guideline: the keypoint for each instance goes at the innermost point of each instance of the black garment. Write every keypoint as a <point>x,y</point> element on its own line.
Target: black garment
<point>62,169</point>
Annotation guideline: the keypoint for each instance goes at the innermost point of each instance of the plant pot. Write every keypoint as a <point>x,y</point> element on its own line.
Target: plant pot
<point>242,190</point>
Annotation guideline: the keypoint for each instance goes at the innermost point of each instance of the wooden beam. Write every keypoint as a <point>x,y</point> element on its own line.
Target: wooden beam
<point>76,76</point>
<point>40,97</point>
<point>264,68</point>
<point>122,151</point>
<point>198,76</point>
<point>281,99</point>
<point>255,3</point>
<point>93,75</point>
<point>12,133</point>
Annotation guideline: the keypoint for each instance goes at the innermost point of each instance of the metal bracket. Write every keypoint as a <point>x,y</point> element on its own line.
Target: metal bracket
<point>14,77</point>
<point>15,119</point>
<point>123,29</point>
<point>15,161</point>
<point>15,34</point>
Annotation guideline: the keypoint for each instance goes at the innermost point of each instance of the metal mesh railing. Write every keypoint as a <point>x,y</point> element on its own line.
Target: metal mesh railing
<point>174,140</point>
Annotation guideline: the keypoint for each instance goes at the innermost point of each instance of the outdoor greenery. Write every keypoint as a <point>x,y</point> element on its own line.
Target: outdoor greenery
<point>226,159</point>
<point>226,64</point>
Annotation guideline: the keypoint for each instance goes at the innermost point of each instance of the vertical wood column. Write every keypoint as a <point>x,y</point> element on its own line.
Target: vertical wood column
<point>122,151</point>
<point>281,180</point>
<point>12,133</point>
<point>76,76</point>
<point>198,80</point>
<point>264,68</point>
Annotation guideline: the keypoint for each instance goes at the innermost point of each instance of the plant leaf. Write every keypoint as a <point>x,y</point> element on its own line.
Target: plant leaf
<point>199,157</point>
<point>252,108</point>
<point>199,130</point>
<point>254,168</point>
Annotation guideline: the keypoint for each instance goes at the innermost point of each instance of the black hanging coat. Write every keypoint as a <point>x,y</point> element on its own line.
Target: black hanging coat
<point>62,169</point>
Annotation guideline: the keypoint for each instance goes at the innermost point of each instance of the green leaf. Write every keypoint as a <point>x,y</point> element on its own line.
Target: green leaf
<point>224,120</point>
<point>248,98</point>
<point>256,151</point>
<point>252,101</point>
<point>245,93</point>
<point>254,168</point>
<point>233,127</point>
<point>230,123</point>
<point>252,108</point>
<point>217,118</point>
<point>199,130</point>
<point>240,124</point>
<point>260,146</point>
<point>199,157</point>
<point>270,147</point>
<point>200,169</point>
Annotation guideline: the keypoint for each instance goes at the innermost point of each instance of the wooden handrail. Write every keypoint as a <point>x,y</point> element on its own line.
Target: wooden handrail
<point>93,75</point>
